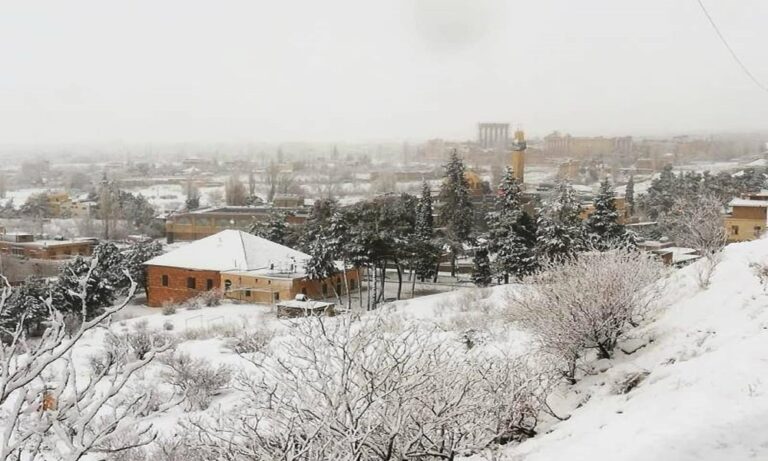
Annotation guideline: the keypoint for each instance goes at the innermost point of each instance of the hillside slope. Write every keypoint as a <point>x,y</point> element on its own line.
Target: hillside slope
<point>706,394</point>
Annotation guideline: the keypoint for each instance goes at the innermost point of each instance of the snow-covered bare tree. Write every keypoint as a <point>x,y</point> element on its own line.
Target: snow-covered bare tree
<point>51,411</point>
<point>587,302</point>
<point>697,222</point>
<point>372,389</point>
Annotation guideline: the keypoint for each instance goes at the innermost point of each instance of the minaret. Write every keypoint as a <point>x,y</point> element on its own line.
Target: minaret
<point>518,156</point>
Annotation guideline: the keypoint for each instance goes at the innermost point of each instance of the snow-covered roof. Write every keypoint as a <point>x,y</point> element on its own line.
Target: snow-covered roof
<point>748,202</point>
<point>228,250</point>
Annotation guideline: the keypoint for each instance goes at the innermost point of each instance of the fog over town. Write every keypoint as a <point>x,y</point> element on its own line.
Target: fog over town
<point>403,230</point>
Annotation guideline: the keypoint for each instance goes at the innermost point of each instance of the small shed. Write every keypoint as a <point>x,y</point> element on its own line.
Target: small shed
<point>304,308</point>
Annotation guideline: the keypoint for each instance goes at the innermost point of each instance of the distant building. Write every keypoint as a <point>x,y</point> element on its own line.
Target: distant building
<point>747,218</point>
<point>198,224</point>
<point>24,245</point>
<point>240,265</point>
<point>585,147</point>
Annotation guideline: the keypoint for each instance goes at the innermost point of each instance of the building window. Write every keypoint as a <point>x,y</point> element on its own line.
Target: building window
<point>191,283</point>
<point>165,280</point>
<point>352,284</point>
<point>304,291</point>
<point>227,285</point>
<point>247,293</point>
<point>735,230</point>
<point>209,284</point>
<point>757,231</point>
<point>277,296</point>
<point>325,290</point>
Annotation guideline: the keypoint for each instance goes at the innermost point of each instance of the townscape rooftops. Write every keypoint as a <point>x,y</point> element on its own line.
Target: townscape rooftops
<point>229,250</point>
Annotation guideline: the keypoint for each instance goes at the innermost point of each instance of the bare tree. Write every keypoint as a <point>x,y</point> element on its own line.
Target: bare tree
<point>698,223</point>
<point>376,390</point>
<point>235,192</point>
<point>587,303</point>
<point>48,410</point>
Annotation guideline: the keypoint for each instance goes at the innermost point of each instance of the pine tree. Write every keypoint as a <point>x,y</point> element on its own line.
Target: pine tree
<point>602,226</point>
<point>424,218</point>
<point>560,232</point>
<point>511,231</point>
<point>455,204</point>
<point>482,275</point>
<point>136,256</point>
<point>274,229</point>
<point>26,302</point>
<point>629,194</point>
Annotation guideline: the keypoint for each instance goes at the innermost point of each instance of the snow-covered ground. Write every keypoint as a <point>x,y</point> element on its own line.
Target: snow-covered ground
<point>706,394</point>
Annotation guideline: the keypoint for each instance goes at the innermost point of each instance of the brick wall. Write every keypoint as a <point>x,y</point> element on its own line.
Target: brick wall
<point>177,289</point>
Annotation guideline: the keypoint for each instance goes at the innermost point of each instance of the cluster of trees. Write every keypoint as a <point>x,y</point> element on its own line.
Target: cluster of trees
<point>520,241</point>
<point>83,286</point>
<point>669,188</point>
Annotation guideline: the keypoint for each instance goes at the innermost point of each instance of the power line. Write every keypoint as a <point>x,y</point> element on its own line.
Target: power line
<point>730,50</point>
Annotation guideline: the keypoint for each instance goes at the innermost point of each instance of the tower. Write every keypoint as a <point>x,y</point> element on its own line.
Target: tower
<point>518,156</point>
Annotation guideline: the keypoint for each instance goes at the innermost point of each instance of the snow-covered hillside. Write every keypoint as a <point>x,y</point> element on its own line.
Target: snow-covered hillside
<point>706,393</point>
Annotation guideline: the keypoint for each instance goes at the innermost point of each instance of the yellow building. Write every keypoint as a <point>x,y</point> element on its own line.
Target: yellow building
<point>747,219</point>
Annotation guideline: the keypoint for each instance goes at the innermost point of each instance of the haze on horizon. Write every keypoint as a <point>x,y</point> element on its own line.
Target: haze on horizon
<point>352,70</point>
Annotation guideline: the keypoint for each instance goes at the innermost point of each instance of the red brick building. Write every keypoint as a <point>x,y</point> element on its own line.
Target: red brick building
<point>242,266</point>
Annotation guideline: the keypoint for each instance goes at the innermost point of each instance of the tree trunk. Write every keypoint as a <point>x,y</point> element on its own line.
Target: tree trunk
<point>374,295</point>
<point>399,279</point>
<point>413,283</point>
<point>359,287</point>
<point>346,287</point>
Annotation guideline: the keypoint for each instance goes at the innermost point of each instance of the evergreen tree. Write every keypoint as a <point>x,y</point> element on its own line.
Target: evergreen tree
<point>511,231</point>
<point>560,232</point>
<point>629,194</point>
<point>424,218</point>
<point>602,226</point>
<point>274,229</point>
<point>136,256</point>
<point>482,275</point>
<point>661,194</point>
<point>26,302</point>
<point>455,204</point>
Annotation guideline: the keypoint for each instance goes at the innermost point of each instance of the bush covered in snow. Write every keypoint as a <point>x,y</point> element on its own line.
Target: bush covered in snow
<point>587,303</point>
<point>195,378</point>
<point>360,389</point>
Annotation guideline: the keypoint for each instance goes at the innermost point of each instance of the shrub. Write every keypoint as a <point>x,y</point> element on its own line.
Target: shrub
<point>250,341</point>
<point>196,378</point>
<point>210,298</point>
<point>587,303</point>
<point>168,325</point>
<point>169,309</point>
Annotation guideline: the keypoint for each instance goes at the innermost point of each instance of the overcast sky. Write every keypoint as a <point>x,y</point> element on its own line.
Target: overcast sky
<point>356,70</point>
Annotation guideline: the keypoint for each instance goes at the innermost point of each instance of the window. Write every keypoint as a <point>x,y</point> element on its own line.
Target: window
<point>735,230</point>
<point>277,296</point>
<point>191,283</point>
<point>209,284</point>
<point>165,280</point>
<point>757,231</point>
<point>304,291</point>
<point>325,290</point>
<point>227,285</point>
<point>352,284</point>
<point>247,293</point>
<point>338,288</point>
